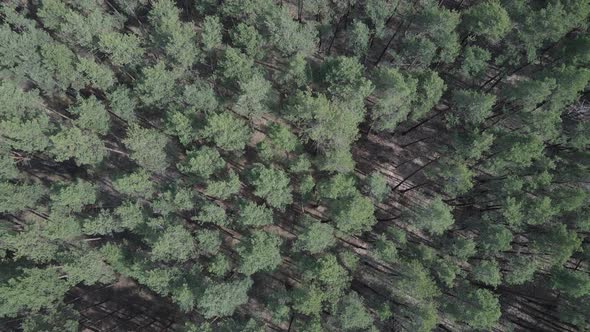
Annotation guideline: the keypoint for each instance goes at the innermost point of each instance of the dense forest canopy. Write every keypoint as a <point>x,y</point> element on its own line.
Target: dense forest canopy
<point>295,165</point>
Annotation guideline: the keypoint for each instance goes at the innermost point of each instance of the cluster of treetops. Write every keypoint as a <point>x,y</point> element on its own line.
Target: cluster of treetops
<point>205,150</point>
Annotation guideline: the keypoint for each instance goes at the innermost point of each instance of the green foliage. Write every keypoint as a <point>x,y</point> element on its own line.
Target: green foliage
<point>174,200</point>
<point>212,213</point>
<point>337,160</point>
<point>85,147</point>
<point>32,290</point>
<point>385,250</point>
<point>571,81</point>
<point>316,237</point>
<point>487,272</point>
<point>517,151</point>
<point>481,309</point>
<point>123,49</point>
<point>175,37</point>
<point>396,93</point>
<point>92,115</point>
<point>378,11</point>
<point>236,66</point>
<point>8,169</point>
<point>211,33</point>
<point>201,96</point>
<point>102,224</point>
<point>573,283</point>
<point>288,36</point>
<point>494,238</point>
<point>260,252</point>
<point>99,99</point>
<point>352,313</point>
<point>80,26</point>
<point>73,197</point>
<point>246,10</point>
<point>475,61</point>
<point>219,266</point>
<point>147,148</point>
<point>521,270</point>
<point>298,72</point>
<point>354,215</point>
<point>59,62</point>
<point>344,79</point>
<point>252,214</point>
<point>222,299</point>
<point>463,248</point>
<point>157,85</point>
<point>429,91</point>
<point>417,51</point>
<point>436,217</point>
<point>131,215</point>
<point>15,197</point>
<point>473,107</point>
<point>272,184</point>
<point>280,141</point>
<point>89,269</point>
<point>60,226</point>
<point>530,93</point>
<point>378,186</point>
<point>18,102</point>
<point>308,300</point>
<point>332,277</point>
<point>359,38</point>
<point>558,243</point>
<point>180,125</point>
<point>122,104</point>
<point>224,189</point>
<point>331,125</point>
<point>458,177</point>
<point>227,131</point>
<point>61,318</point>
<point>202,162</point>
<point>97,75</point>
<point>447,271</point>
<point>254,95</point>
<point>209,241</point>
<point>487,19</point>
<point>416,282</point>
<point>301,164</point>
<point>247,38</point>
<point>26,134</point>
<point>174,244</point>
<point>424,317</point>
<point>439,25</point>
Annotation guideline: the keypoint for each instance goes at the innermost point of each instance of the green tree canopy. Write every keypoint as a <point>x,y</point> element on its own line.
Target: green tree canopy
<point>202,162</point>
<point>260,252</point>
<point>147,148</point>
<point>227,132</point>
<point>222,299</point>
<point>436,217</point>
<point>272,184</point>
<point>252,214</point>
<point>85,147</point>
<point>487,19</point>
<point>316,237</point>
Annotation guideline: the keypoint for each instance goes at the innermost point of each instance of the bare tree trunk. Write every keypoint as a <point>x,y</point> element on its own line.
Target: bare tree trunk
<point>414,173</point>
<point>337,29</point>
<point>421,123</point>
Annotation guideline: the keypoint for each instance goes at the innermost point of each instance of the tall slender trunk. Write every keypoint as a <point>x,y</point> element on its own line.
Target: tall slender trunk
<point>421,123</point>
<point>337,29</point>
<point>388,44</point>
<point>414,173</point>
